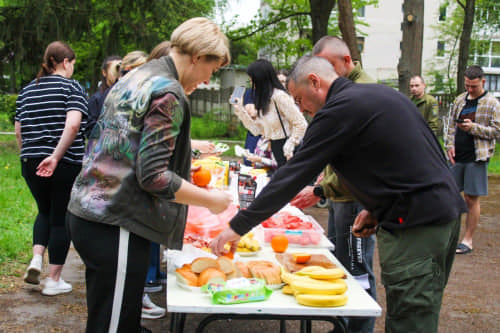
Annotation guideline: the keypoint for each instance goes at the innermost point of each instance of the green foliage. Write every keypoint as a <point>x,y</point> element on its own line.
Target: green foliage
<point>211,126</point>
<point>486,24</point>
<point>494,164</point>
<point>288,25</point>
<point>7,111</point>
<point>243,52</point>
<point>16,204</point>
<point>94,29</point>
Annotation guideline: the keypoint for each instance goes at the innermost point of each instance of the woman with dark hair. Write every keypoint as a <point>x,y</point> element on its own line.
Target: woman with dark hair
<point>50,115</point>
<point>110,71</point>
<point>278,118</point>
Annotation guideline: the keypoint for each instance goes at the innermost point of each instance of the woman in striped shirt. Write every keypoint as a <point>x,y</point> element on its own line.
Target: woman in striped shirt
<point>50,119</point>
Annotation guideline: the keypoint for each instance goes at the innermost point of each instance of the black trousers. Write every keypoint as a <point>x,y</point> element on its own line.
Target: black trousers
<point>277,149</point>
<point>52,196</point>
<point>116,263</point>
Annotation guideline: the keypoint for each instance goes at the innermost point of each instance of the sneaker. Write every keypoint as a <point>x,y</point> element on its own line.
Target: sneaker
<point>32,275</point>
<point>53,288</point>
<point>152,287</point>
<point>151,310</point>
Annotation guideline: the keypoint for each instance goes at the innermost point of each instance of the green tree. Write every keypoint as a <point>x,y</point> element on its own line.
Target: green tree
<point>410,61</point>
<point>287,29</point>
<point>485,26</point>
<point>468,6</point>
<point>94,28</point>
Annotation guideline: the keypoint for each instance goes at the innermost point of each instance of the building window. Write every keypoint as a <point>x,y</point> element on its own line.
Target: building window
<point>440,49</point>
<point>361,11</point>
<point>492,82</point>
<point>442,12</point>
<point>495,54</point>
<point>486,53</point>
<point>360,42</point>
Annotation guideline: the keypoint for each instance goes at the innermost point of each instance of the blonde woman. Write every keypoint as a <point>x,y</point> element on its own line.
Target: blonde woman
<point>134,188</point>
<point>132,60</point>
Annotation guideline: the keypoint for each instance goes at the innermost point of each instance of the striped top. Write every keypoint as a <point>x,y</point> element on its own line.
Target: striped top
<point>41,110</point>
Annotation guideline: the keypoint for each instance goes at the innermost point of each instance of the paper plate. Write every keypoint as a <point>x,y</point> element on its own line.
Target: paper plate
<point>275,286</point>
<point>219,147</point>
<point>247,254</point>
<point>187,287</point>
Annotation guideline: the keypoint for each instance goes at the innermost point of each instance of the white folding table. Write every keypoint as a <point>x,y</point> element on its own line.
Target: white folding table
<point>278,307</point>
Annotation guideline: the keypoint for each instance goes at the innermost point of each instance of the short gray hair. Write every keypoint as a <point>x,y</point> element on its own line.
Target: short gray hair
<point>334,44</point>
<point>311,64</point>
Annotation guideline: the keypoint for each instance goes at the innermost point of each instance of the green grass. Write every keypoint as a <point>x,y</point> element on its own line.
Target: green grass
<point>494,165</point>
<point>17,207</point>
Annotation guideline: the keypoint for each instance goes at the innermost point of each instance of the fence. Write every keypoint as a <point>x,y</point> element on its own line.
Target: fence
<point>214,105</point>
<point>444,102</point>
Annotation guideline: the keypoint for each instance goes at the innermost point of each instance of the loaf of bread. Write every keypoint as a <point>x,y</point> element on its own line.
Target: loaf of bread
<point>265,270</point>
<point>200,264</point>
<point>226,265</point>
<point>211,275</point>
<point>186,276</point>
<point>242,270</point>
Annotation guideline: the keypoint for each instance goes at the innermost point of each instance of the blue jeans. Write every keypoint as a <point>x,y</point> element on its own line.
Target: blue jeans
<point>154,264</point>
<point>356,255</point>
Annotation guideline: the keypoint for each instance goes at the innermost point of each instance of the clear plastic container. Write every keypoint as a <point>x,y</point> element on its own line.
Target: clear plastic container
<point>299,236</point>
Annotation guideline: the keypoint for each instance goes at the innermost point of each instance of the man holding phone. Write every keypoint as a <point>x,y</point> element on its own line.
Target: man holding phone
<point>473,125</point>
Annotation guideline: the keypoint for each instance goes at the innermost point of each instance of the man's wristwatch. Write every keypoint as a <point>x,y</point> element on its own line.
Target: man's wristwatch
<point>318,191</point>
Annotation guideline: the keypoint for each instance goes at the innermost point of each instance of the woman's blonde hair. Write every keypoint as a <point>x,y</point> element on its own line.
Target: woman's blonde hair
<point>160,50</point>
<point>132,60</point>
<point>200,36</point>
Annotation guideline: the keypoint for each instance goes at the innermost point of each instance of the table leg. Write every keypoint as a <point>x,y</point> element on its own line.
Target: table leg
<point>305,326</point>
<point>177,321</point>
<point>282,326</point>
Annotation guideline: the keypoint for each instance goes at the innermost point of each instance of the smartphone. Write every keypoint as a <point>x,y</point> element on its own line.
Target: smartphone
<point>237,94</point>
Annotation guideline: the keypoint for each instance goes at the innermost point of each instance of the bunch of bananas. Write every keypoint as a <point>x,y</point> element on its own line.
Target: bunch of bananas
<point>316,286</point>
<point>247,243</point>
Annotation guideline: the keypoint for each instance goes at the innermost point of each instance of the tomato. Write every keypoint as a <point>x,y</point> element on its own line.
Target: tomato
<point>272,223</point>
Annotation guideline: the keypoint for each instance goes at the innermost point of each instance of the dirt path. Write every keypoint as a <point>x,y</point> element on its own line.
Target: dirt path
<point>471,302</point>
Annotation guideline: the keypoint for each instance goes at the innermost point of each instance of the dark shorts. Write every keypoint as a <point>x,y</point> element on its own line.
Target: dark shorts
<point>472,177</point>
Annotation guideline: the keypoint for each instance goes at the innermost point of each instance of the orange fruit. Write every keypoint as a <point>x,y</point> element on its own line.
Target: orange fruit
<point>279,243</point>
<point>301,257</point>
<point>201,177</point>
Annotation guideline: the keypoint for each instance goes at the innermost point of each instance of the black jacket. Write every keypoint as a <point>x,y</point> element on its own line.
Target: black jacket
<point>382,149</point>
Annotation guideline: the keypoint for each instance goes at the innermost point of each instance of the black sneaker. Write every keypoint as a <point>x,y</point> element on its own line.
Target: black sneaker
<point>153,287</point>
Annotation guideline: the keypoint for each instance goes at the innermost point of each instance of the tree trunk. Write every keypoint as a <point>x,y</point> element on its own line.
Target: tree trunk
<point>410,62</point>
<point>463,50</point>
<point>347,27</point>
<point>320,14</point>
<point>12,85</point>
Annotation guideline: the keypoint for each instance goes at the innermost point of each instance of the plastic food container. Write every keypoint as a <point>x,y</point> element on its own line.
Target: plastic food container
<point>300,236</point>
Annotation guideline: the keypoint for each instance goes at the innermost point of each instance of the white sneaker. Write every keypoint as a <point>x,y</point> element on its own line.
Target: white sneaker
<point>53,288</point>
<point>151,310</point>
<point>32,275</point>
